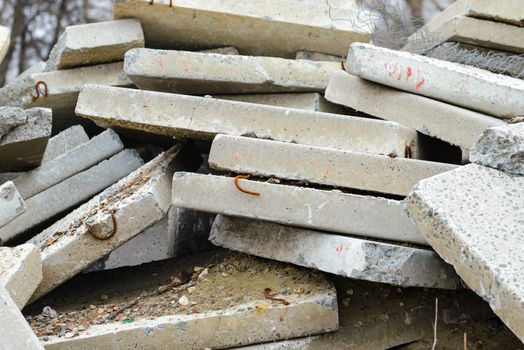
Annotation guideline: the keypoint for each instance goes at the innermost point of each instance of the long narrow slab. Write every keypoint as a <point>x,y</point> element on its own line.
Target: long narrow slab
<point>95,43</point>
<point>299,206</point>
<point>15,333</point>
<point>12,204</point>
<point>115,216</point>
<point>71,192</point>
<point>5,40</point>
<point>204,118</point>
<point>339,255</point>
<point>24,135</point>
<point>99,148</point>
<point>472,217</point>
<point>255,28</point>
<point>456,125</point>
<point>63,88</point>
<point>196,73</point>
<point>225,307</point>
<point>501,148</point>
<point>324,166</point>
<point>20,272</point>
<point>463,86</point>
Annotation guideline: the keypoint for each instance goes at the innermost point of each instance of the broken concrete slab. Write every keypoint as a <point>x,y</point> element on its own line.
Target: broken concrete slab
<point>332,211</point>
<point>99,148</point>
<point>196,73</point>
<point>309,101</point>
<point>501,148</point>
<point>12,204</point>
<point>484,33</point>
<point>253,28</point>
<point>317,56</point>
<point>35,68</point>
<point>324,166</point>
<point>15,333</point>
<point>486,92</point>
<point>5,40</point>
<point>204,118</point>
<point>71,192</point>
<point>472,217</point>
<point>20,272</point>
<point>225,307</point>
<point>24,135</point>
<point>108,220</point>
<point>227,50</point>
<point>95,43</point>
<point>64,142</point>
<point>344,256</point>
<point>62,88</point>
<point>456,125</point>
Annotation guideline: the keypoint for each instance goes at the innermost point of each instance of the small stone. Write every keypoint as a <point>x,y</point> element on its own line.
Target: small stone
<point>49,312</point>
<point>70,334</point>
<point>184,301</point>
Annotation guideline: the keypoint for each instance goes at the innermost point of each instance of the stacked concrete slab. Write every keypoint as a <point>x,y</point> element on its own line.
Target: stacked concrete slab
<point>5,39</point>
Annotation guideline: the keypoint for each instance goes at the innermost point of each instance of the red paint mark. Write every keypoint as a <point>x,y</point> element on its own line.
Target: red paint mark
<point>341,248</point>
<point>399,76</point>
<point>410,73</point>
<point>160,61</point>
<point>394,70</point>
<point>420,83</point>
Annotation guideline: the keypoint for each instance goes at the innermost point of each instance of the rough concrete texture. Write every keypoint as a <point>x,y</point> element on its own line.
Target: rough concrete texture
<point>63,88</point>
<point>71,192</point>
<point>464,86</point>
<point>324,166</point>
<point>227,50</point>
<point>14,330</point>
<point>456,125</point>
<point>95,43</point>
<point>485,33</point>
<point>299,206</point>
<point>100,147</point>
<point>12,204</point>
<point>20,272</point>
<point>235,314</point>
<point>317,56</point>
<point>64,142</point>
<point>204,118</point>
<point>197,73</point>
<point>309,101</point>
<point>5,39</point>
<point>472,217</point>
<point>339,255</point>
<point>153,244</point>
<point>118,214</point>
<point>24,135</point>
<point>501,148</point>
<point>255,28</point>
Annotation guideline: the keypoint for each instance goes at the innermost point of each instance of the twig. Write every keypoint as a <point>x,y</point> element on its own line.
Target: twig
<point>465,341</point>
<point>238,177</point>
<point>435,326</point>
<point>271,296</point>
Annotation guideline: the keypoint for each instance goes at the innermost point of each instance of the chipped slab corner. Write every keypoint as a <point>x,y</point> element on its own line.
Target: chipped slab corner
<point>12,204</point>
<point>472,217</point>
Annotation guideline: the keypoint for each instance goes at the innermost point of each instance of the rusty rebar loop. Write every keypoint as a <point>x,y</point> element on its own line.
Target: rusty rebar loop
<point>37,88</point>
<point>238,177</point>
<point>113,232</point>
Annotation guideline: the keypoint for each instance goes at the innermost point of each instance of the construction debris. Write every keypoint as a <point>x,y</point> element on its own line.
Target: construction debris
<point>12,204</point>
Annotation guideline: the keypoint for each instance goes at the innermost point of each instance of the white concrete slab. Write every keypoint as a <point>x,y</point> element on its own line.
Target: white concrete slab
<point>5,40</point>
<point>12,204</point>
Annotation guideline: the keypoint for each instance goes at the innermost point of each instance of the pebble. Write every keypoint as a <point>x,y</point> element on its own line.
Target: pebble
<point>184,301</point>
<point>49,312</point>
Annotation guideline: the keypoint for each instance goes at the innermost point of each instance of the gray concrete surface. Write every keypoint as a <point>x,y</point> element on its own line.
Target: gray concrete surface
<point>12,204</point>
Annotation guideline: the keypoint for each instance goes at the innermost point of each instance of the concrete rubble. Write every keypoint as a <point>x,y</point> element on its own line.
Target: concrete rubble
<point>243,174</point>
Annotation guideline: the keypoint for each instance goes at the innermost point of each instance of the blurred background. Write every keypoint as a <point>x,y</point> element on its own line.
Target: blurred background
<point>36,24</point>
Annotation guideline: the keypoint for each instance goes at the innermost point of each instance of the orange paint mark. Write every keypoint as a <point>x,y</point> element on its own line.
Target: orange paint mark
<point>399,76</point>
<point>409,74</point>
<point>419,84</point>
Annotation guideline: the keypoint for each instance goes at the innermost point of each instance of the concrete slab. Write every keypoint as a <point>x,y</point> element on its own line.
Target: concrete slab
<point>227,50</point>
<point>309,101</point>
<point>204,118</point>
<point>197,73</point>
<point>232,306</point>
<point>15,333</point>
<point>63,88</point>
<point>472,217</point>
<point>99,148</point>
<point>35,68</point>
<point>253,28</point>
<point>324,166</point>
<point>95,43</point>
<point>115,216</point>
<point>71,192</point>
<point>24,135</point>
<point>485,33</point>
<point>456,125</point>
<point>501,148</point>
<point>317,56</point>
<point>20,272</point>
<point>12,204</point>
<point>486,92</point>
<point>332,211</point>
<point>5,40</point>
<point>344,256</point>
<point>64,142</point>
